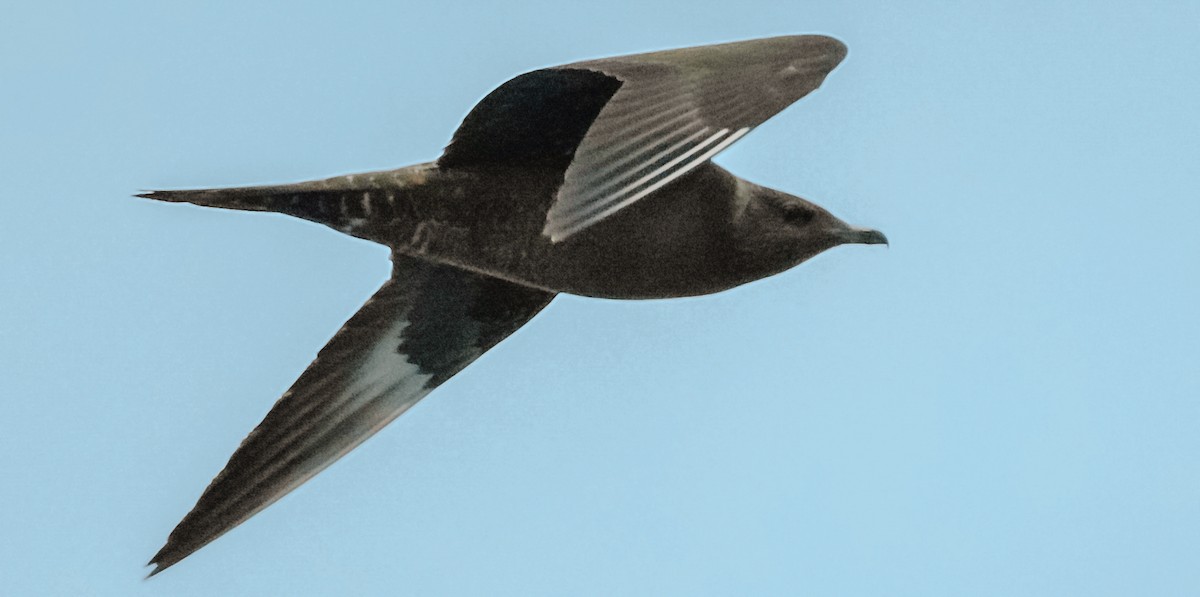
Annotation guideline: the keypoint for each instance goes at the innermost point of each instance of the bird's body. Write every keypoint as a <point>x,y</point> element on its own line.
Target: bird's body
<point>617,258</point>
<point>592,178</point>
<point>490,220</point>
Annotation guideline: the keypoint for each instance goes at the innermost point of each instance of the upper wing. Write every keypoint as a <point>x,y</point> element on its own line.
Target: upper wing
<point>638,122</point>
<point>423,326</point>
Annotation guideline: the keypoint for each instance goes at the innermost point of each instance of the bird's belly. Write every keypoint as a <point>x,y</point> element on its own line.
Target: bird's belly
<point>602,266</point>
<point>629,269</point>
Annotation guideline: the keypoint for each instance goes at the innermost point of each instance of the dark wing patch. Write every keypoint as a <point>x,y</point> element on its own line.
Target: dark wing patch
<point>466,314</point>
<point>423,326</point>
<point>536,119</point>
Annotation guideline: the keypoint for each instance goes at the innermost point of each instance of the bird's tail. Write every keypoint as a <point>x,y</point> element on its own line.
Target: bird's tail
<point>355,204</point>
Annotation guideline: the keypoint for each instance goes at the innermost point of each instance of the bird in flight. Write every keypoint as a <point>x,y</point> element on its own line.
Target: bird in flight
<point>592,178</point>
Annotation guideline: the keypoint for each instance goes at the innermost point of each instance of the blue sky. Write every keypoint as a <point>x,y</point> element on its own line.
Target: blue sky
<point>1006,401</point>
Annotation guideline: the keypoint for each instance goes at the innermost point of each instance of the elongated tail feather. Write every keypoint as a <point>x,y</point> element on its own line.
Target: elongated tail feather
<point>332,208</point>
<point>357,204</point>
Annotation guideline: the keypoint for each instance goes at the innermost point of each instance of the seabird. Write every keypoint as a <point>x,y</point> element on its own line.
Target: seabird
<point>592,178</point>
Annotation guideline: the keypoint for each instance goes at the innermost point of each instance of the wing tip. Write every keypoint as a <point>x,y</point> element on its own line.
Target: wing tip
<point>836,45</point>
<point>179,546</point>
<point>825,50</point>
<point>161,561</point>
<point>821,51</point>
<point>836,48</point>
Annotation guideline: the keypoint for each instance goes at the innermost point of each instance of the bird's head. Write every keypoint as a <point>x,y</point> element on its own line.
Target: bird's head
<point>779,230</point>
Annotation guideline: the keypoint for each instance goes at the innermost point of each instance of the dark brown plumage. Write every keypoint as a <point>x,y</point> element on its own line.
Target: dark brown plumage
<point>591,178</point>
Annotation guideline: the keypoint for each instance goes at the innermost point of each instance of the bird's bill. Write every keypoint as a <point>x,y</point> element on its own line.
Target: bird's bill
<point>863,236</point>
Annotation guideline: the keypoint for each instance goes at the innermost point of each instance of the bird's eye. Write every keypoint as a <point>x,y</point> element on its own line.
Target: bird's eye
<point>797,215</point>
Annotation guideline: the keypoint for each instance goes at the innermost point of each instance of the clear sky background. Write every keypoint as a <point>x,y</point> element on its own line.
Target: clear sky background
<point>1005,402</point>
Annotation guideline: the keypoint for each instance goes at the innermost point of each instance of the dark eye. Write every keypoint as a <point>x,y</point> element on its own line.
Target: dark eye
<point>797,215</point>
